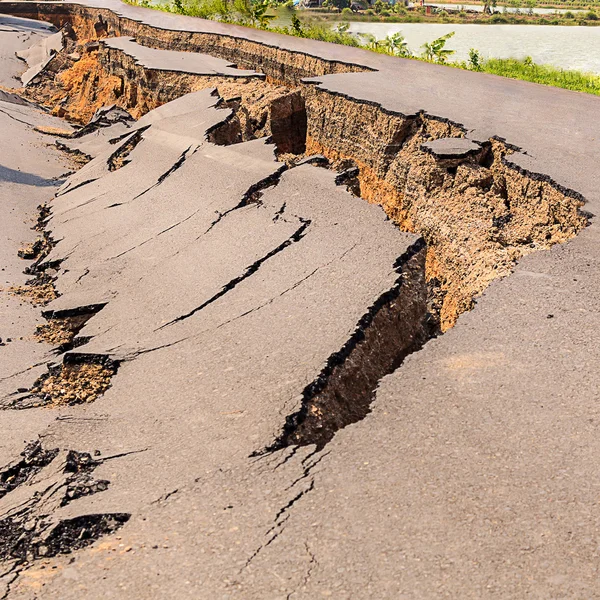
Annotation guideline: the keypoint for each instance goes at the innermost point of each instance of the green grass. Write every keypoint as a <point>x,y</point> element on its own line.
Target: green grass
<point>413,16</point>
<point>544,74</point>
<point>322,33</point>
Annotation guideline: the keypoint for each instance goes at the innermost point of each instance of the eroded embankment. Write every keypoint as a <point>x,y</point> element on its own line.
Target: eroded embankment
<point>277,63</point>
<point>477,213</point>
<point>87,76</point>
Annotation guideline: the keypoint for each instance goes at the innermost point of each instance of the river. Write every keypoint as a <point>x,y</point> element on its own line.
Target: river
<point>568,47</point>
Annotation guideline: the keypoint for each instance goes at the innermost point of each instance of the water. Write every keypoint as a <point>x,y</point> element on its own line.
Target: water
<point>501,9</point>
<point>568,47</point>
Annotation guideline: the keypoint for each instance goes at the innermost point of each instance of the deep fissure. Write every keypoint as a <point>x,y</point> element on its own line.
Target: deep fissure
<point>396,325</point>
<point>62,327</point>
<point>118,158</point>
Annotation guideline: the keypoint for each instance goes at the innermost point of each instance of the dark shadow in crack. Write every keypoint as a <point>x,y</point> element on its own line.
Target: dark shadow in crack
<point>397,325</point>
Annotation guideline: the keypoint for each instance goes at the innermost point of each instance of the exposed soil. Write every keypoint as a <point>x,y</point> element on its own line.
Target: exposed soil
<point>76,89</point>
<point>40,289</point>
<point>61,84</point>
<point>477,214</point>
<point>32,250</point>
<point>77,157</point>
<point>53,131</point>
<point>42,245</point>
<point>33,459</point>
<point>61,331</point>
<point>260,110</point>
<point>73,383</point>
<point>43,214</point>
<point>38,292</point>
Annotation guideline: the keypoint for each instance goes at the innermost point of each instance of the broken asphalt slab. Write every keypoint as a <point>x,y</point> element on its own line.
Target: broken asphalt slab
<point>165,60</point>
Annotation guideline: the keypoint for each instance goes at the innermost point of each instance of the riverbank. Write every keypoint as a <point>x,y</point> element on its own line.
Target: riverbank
<point>463,17</point>
<point>574,5</point>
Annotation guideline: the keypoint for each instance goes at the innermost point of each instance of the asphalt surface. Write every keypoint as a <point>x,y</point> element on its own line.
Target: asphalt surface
<point>18,34</point>
<point>38,55</point>
<point>166,60</point>
<point>476,473</point>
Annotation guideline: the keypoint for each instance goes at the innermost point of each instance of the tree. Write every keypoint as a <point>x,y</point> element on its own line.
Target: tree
<point>372,42</point>
<point>396,44</point>
<point>340,4</point>
<point>530,4</point>
<point>258,13</point>
<point>254,11</point>
<point>379,6</point>
<point>297,26</point>
<point>516,4</point>
<point>436,51</point>
<point>489,6</point>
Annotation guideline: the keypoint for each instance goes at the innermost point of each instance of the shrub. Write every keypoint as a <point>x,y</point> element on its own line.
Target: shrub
<point>346,11</point>
<point>436,51</point>
<point>498,19</point>
<point>475,60</point>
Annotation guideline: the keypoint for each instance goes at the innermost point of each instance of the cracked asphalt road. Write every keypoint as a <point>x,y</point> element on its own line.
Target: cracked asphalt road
<point>474,476</point>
